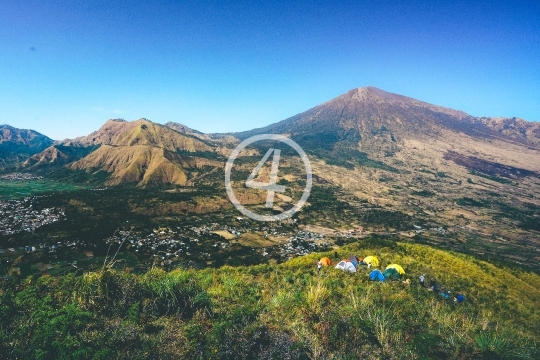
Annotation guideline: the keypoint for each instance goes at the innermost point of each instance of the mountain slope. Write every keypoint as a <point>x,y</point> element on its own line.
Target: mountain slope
<point>18,144</point>
<point>59,155</point>
<point>371,123</point>
<point>105,135</point>
<point>145,165</point>
<point>368,114</point>
<point>144,132</point>
<point>140,152</point>
<point>393,161</point>
<point>183,129</point>
<point>513,128</point>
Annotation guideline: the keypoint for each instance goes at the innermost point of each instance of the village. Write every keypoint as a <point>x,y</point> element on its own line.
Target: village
<point>201,243</point>
<point>166,245</point>
<point>20,177</point>
<point>19,215</point>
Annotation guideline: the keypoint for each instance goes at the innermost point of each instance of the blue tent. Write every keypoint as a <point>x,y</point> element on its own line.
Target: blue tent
<point>354,260</point>
<point>376,275</point>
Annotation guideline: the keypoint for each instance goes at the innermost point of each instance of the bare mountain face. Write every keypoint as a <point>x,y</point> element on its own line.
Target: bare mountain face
<point>369,124</point>
<point>17,144</point>
<point>140,152</point>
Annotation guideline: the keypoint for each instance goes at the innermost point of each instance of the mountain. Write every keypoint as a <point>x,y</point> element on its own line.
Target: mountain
<point>105,135</point>
<point>145,132</point>
<point>17,144</point>
<point>58,154</point>
<point>145,165</point>
<point>392,161</point>
<point>140,151</point>
<point>183,129</point>
<point>364,114</point>
<point>369,124</point>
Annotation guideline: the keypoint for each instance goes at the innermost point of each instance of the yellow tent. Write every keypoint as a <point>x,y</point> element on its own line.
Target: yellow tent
<point>371,260</point>
<point>397,267</point>
<point>326,261</point>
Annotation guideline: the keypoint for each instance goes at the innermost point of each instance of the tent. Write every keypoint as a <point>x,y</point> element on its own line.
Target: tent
<point>397,267</point>
<point>391,273</point>
<point>376,275</point>
<point>354,260</point>
<point>371,260</point>
<point>326,261</point>
<point>346,266</point>
<point>350,267</point>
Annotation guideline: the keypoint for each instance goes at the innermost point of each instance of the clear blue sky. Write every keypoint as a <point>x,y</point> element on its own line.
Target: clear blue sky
<point>218,66</point>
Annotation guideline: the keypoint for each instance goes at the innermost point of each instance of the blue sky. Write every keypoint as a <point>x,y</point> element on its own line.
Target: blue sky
<point>218,66</point>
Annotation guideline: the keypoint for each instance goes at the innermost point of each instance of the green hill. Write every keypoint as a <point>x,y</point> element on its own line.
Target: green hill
<point>284,311</point>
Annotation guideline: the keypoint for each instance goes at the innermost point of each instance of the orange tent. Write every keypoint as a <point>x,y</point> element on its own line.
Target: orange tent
<point>326,261</point>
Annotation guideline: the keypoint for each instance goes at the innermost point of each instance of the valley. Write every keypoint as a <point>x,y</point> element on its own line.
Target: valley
<point>142,207</point>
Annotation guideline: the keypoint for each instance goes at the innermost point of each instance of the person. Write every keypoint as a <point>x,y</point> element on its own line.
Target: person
<point>432,285</point>
<point>319,266</point>
<point>445,294</point>
<point>422,280</point>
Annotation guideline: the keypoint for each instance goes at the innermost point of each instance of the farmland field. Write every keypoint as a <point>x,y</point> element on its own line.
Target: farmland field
<point>17,189</point>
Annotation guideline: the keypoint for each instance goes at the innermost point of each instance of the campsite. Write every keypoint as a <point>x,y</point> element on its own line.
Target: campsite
<point>282,311</point>
<point>392,272</point>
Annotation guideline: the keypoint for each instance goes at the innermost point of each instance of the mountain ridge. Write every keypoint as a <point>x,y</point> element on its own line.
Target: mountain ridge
<point>139,151</point>
<point>363,123</point>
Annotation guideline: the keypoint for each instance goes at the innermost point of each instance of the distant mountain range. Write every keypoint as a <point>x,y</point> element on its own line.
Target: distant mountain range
<point>365,126</point>
<point>140,152</point>
<point>18,144</point>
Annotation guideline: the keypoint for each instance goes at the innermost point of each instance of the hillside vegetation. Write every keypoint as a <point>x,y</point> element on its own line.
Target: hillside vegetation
<point>284,311</point>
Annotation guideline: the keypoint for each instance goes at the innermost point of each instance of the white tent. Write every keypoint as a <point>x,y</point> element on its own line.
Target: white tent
<point>346,266</point>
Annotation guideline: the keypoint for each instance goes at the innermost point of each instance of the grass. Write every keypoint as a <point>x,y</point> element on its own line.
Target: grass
<point>19,189</point>
<point>279,311</point>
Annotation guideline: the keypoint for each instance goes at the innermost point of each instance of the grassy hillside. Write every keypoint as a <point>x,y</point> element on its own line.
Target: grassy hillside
<point>277,312</point>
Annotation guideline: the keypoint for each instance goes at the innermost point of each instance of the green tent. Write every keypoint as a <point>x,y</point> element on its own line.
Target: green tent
<point>391,274</point>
